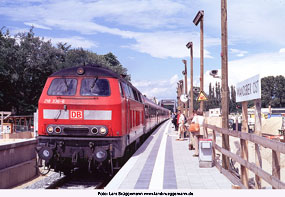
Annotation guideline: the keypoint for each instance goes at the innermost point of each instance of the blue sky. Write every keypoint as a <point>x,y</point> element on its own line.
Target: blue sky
<point>149,36</point>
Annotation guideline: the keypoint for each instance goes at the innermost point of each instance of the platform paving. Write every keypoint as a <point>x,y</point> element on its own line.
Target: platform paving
<point>164,163</point>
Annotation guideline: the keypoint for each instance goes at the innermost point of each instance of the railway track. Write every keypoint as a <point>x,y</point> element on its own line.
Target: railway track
<point>81,180</point>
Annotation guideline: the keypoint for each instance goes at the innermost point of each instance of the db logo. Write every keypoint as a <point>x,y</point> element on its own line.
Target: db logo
<point>76,115</point>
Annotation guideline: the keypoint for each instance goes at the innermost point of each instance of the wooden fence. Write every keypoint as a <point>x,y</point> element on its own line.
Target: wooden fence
<point>276,147</point>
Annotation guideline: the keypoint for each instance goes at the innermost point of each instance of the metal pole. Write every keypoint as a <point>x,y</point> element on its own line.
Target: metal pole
<point>225,100</point>
<point>202,60</point>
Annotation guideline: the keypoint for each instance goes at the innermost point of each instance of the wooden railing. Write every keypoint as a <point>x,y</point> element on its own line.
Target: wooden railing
<point>276,147</point>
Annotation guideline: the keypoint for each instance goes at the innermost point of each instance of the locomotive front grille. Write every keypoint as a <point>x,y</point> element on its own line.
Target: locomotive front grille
<point>76,131</point>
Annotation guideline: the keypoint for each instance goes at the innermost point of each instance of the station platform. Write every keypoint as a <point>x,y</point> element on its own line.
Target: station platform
<point>18,161</point>
<point>162,162</point>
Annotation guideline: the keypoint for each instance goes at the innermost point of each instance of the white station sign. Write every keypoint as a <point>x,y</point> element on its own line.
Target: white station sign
<point>248,89</point>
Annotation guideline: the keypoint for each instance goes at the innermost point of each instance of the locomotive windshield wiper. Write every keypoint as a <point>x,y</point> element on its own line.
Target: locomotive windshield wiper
<point>94,82</point>
<point>65,82</point>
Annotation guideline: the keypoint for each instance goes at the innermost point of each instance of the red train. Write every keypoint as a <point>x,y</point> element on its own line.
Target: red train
<point>89,115</point>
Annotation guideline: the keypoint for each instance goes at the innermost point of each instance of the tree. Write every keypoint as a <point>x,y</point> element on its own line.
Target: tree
<point>273,91</point>
<point>79,56</point>
<point>279,91</point>
<point>233,104</point>
<point>25,65</point>
<point>27,60</point>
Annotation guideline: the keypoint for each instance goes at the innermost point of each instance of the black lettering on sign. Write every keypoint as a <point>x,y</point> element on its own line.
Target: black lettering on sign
<point>255,86</point>
<point>244,90</point>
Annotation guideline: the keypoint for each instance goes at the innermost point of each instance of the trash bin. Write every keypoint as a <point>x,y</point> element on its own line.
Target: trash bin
<point>205,153</point>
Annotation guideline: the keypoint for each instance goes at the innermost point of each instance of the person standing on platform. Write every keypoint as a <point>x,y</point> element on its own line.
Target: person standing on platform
<point>191,138</point>
<point>177,120</point>
<point>174,121</point>
<point>181,128</point>
<point>198,118</point>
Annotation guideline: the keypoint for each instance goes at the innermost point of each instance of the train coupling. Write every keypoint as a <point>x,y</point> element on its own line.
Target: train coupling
<point>45,152</point>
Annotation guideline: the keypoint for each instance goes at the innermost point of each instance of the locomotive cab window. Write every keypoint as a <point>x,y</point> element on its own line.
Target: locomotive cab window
<point>95,87</point>
<point>126,90</point>
<point>62,87</point>
<point>135,94</point>
<point>121,90</point>
<point>131,93</point>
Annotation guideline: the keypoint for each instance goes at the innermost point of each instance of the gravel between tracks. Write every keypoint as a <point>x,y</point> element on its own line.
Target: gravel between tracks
<point>40,182</point>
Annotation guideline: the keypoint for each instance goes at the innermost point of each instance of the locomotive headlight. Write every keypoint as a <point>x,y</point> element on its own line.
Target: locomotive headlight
<point>50,129</point>
<point>103,131</point>
<point>80,71</point>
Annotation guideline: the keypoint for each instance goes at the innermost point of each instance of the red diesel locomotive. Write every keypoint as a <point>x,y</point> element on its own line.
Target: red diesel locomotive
<point>89,115</point>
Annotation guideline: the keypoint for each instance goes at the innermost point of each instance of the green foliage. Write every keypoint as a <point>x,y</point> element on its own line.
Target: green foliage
<point>25,63</point>
<point>27,60</point>
<point>273,91</point>
<point>80,56</point>
<point>214,98</point>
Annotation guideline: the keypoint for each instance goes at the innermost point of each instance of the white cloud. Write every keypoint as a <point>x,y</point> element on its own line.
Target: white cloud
<point>282,50</point>
<point>248,21</point>
<point>37,25</point>
<point>15,30</point>
<point>174,79</point>
<point>238,52</point>
<point>131,13</point>
<point>139,14</point>
<point>86,17</point>
<point>171,44</point>
<point>75,42</point>
<point>161,89</point>
<point>257,20</point>
<point>265,64</point>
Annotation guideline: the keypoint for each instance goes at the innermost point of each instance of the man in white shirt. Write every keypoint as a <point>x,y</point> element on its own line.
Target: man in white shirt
<point>198,118</point>
<point>181,128</point>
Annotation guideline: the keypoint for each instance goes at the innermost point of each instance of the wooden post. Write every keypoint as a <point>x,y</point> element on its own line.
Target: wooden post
<point>178,96</point>
<point>199,18</point>
<point>186,89</point>
<point>205,131</point>
<point>225,100</point>
<point>191,85</point>
<point>275,165</point>
<point>214,150</point>
<point>236,120</point>
<point>181,92</point>
<point>257,131</point>
<point>243,144</point>
<point>202,59</point>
